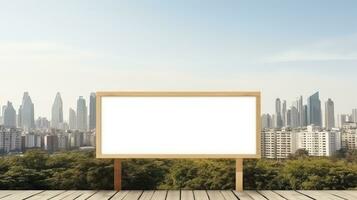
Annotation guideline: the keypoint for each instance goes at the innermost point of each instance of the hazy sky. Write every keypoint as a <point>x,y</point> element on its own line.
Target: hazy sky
<point>282,48</point>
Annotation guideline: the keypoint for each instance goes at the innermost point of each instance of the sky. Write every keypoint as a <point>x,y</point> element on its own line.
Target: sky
<point>282,48</point>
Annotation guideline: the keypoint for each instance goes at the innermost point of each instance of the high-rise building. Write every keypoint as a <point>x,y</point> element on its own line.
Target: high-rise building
<point>72,119</point>
<point>42,123</point>
<point>294,117</point>
<point>278,121</point>
<point>19,117</point>
<point>33,140</point>
<point>314,110</point>
<point>288,118</point>
<point>301,112</point>
<point>81,114</point>
<point>75,139</point>
<point>284,113</point>
<point>319,143</point>
<point>305,115</point>
<point>342,119</point>
<point>3,108</point>
<point>57,112</point>
<point>349,139</point>
<point>51,143</point>
<point>92,111</point>
<point>266,121</point>
<point>10,140</point>
<point>329,114</point>
<point>354,115</point>
<point>278,144</point>
<point>27,112</point>
<point>9,116</point>
<point>63,141</point>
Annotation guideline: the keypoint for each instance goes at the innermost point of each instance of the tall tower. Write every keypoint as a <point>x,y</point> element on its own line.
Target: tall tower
<point>354,115</point>
<point>72,119</point>
<point>9,116</point>
<point>314,110</point>
<point>81,114</point>
<point>302,120</point>
<point>284,115</point>
<point>278,121</point>
<point>329,114</point>
<point>57,112</point>
<point>27,112</point>
<point>92,111</point>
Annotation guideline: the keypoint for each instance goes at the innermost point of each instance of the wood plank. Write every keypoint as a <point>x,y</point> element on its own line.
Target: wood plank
<point>5,193</point>
<point>23,194</point>
<point>65,194</point>
<point>350,192</point>
<point>83,195</point>
<point>119,195</point>
<point>341,194</point>
<point>102,195</point>
<point>255,195</point>
<point>48,194</point>
<point>200,195</point>
<point>242,195</point>
<point>173,195</point>
<point>270,195</point>
<point>292,195</point>
<point>228,195</point>
<point>146,195</point>
<point>215,194</point>
<point>187,195</point>
<point>319,195</point>
<point>133,195</point>
<point>159,195</point>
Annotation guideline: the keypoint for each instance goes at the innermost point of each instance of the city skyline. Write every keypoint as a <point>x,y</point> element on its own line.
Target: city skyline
<point>152,45</point>
<point>295,110</point>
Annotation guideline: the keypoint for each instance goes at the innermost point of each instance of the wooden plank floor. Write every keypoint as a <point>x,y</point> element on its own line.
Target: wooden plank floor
<point>177,195</point>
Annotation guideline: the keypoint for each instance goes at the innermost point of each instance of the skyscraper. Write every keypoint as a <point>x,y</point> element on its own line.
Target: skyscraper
<point>305,115</point>
<point>72,119</point>
<point>284,113</point>
<point>329,114</point>
<point>301,112</point>
<point>266,121</point>
<point>81,114</point>
<point>19,117</point>
<point>9,116</point>
<point>92,111</point>
<point>278,121</point>
<point>57,112</point>
<point>314,110</point>
<point>27,112</point>
<point>294,117</point>
<point>354,115</point>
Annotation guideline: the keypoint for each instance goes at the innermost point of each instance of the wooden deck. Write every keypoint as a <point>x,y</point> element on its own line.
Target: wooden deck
<point>175,195</point>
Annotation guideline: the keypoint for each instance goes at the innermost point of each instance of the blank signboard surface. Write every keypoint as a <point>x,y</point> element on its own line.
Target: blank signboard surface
<point>144,126</point>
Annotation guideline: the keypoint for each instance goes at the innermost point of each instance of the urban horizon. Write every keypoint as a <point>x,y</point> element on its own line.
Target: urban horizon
<point>285,114</point>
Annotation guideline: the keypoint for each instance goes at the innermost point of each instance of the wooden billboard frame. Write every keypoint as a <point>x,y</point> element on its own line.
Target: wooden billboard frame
<point>118,157</point>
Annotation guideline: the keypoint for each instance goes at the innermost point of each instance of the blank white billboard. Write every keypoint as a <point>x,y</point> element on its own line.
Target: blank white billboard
<point>178,126</point>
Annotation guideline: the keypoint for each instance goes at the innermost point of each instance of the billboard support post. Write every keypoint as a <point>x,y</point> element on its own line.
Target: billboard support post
<point>117,174</point>
<point>239,174</point>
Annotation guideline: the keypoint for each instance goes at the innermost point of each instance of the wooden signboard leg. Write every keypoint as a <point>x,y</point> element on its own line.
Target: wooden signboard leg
<point>239,174</point>
<point>117,174</point>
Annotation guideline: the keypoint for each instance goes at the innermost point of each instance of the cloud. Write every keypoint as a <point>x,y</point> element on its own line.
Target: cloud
<point>332,49</point>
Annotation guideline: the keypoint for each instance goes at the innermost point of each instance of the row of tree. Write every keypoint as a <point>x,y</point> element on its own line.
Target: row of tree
<point>37,169</point>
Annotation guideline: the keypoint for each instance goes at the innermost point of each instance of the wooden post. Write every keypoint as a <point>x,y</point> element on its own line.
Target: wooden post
<point>239,174</point>
<point>117,174</point>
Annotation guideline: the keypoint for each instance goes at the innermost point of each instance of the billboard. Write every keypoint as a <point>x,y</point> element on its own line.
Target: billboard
<point>178,124</point>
